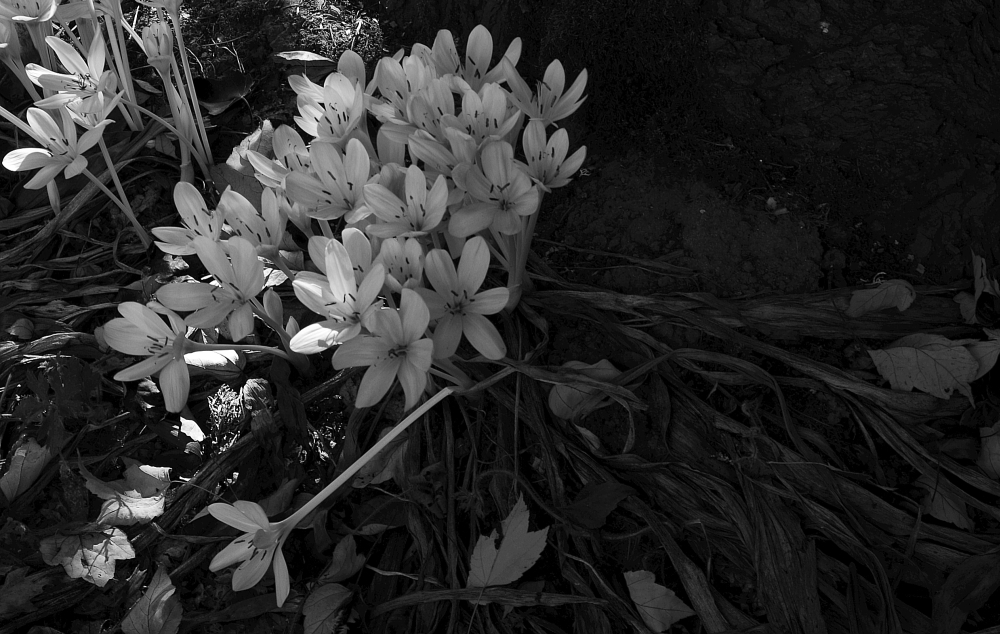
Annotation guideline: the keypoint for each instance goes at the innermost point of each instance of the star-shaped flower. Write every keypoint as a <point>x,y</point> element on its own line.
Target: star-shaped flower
<point>141,332</point>
<point>256,550</point>
<point>397,348</point>
<point>458,305</point>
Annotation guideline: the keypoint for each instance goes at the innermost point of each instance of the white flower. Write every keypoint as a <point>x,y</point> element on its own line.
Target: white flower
<point>239,282</point>
<point>503,193</point>
<point>549,104</point>
<point>457,304</point>
<point>397,348</point>
<point>335,187</point>
<point>403,260</point>
<point>547,162</point>
<point>256,550</point>
<point>196,218</point>
<point>337,296</point>
<point>484,115</point>
<point>478,54</point>
<point>264,229</point>
<point>141,332</point>
<point>421,213</point>
<point>62,152</point>
<point>329,113</point>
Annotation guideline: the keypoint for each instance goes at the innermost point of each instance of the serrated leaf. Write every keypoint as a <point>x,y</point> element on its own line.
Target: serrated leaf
<point>898,293</point>
<point>88,553</point>
<point>595,502</point>
<point>930,363</point>
<point>138,498</point>
<point>345,563</point>
<point>158,611</point>
<point>25,466</point>
<point>942,504</point>
<point>519,550</point>
<point>17,592</point>
<point>322,609</point>
<point>659,606</point>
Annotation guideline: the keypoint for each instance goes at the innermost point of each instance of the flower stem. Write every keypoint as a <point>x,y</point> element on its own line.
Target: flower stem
<point>127,208</point>
<point>193,97</point>
<point>345,477</point>
<point>197,346</point>
<point>300,361</point>
<point>143,236</point>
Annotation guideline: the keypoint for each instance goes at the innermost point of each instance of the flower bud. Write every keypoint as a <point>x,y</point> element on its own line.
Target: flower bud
<point>158,42</point>
<point>272,305</point>
<point>10,44</point>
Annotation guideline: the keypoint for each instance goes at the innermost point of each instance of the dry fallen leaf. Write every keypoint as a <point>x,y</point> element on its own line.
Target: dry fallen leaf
<point>989,453</point>
<point>940,503</point>
<point>25,466</point>
<point>137,499</point>
<point>659,606</point>
<point>519,550</point>
<point>88,552</point>
<point>898,293</point>
<point>930,363</point>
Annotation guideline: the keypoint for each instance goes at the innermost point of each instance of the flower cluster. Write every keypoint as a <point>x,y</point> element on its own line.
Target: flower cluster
<point>86,81</point>
<point>397,220</point>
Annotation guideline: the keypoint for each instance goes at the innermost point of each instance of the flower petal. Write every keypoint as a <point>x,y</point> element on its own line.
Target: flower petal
<point>247,268</point>
<point>124,336</point>
<point>229,514</point>
<point>251,571</point>
<point>281,581</point>
<point>376,381</point>
<point>414,315</point>
<point>253,511</point>
<point>318,337</point>
<point>413,381</point>
<point>359,352</point>
<point>473,265</point>
<point>484,337</point>
<point>441,271</point>
<point>488,302</point>
<point>146,367</point>
<point>471,219</point>
<point>447,335</point>
<point>175,382</point>
<point>241,322</point>
<point>186,296</point>
<point>237,551</point>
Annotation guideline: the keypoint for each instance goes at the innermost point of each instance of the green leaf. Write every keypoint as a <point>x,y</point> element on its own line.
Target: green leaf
<point>158,611</point>
<point>595,502</point>
<point>17,592</point>
<point>345,563</point>
<point>519,550</point>
<point>322,609</point>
